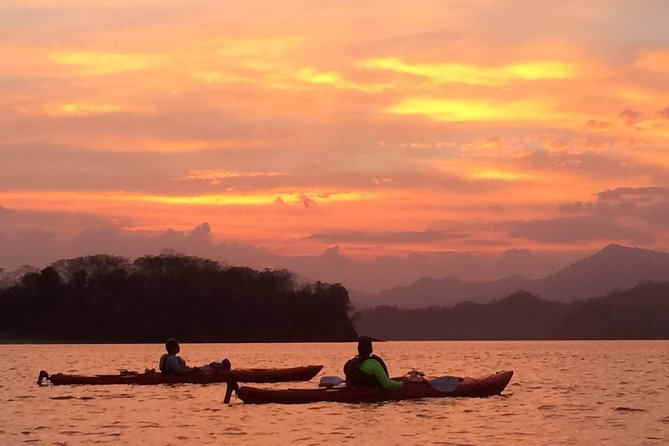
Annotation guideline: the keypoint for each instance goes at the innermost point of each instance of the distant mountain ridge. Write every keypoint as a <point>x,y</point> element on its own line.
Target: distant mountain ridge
<point>613,268</point>
<point>641,312</point>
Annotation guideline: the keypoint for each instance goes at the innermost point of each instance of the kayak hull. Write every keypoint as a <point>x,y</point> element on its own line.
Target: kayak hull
<point>273,375</point>
<point>467,387</point>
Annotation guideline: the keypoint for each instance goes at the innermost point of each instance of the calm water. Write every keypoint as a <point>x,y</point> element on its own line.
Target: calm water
<point>614,393</point>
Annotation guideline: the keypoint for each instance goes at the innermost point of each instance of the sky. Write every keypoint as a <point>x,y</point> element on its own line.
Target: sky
<point>356,130</point>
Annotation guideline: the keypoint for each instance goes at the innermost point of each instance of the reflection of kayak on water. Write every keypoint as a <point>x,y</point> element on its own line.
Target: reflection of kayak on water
<point>446,386</point>
<point>201,376</point>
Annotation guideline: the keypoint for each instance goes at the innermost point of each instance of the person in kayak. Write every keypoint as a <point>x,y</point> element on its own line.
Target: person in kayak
<point>170,363</point>
<point>367,369</point>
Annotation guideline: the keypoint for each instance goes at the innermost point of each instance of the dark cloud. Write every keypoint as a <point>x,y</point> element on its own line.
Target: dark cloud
<point>625,214</point>
<point>575,208</point>
<point>579,229</point>
<point>14,221</point>
<point>594,124</point>
<point>636,193</point>
<point>631,117</point>
<point>308,202</point>
<point>646,204</point>
<point>597,164</point>
<point>416,237</point>
<point>484,242</point>
<point>201,232</point>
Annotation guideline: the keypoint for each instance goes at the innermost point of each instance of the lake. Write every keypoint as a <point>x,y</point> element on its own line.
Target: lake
<point>563,392</point>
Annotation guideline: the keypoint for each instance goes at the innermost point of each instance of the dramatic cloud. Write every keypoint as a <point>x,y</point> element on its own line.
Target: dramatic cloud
<point>576,229</point>
<point>293,128</point>
<point>403,237</point>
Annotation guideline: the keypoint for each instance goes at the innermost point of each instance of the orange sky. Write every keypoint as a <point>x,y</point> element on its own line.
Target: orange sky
<point>378,127</point>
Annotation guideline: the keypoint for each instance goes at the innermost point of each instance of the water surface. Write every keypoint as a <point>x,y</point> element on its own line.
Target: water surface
<point>575,392</point>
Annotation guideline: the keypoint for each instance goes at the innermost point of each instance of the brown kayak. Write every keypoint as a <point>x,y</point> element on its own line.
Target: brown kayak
<point>463,387</point>
<point>202,376</point>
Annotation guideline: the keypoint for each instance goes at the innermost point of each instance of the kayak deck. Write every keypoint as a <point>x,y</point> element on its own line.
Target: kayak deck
<point>467,387</point>
<point>202,376</point>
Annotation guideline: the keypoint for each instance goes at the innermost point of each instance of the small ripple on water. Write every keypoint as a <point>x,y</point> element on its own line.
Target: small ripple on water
<point>233,430</point>
<point>69,432</point>
<point>448,443</point>
<point>547,407</point>
<point>629,409</point>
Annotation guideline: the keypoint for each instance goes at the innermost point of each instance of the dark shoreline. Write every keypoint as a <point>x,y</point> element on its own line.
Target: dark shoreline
<point>71,342</point>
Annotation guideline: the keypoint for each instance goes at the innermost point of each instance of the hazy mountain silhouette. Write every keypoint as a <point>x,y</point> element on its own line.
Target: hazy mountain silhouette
<point>613,268</point>
<point>447,291</point>
<point>641,312</point>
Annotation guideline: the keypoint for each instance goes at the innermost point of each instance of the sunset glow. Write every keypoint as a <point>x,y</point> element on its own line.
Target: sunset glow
<point>377,129</point>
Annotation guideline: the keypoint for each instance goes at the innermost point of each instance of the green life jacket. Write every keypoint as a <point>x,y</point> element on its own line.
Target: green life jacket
<point>356,377</point>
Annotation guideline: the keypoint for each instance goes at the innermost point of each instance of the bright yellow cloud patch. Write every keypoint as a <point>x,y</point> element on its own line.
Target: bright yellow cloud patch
<point>311,75</point>
<point>496,174</point>
<point>335,79</point>
<point>101,63</point>
<point>64,200</point>
<point>85,109</point>
<point>476,75</point>
<point>472,110</point>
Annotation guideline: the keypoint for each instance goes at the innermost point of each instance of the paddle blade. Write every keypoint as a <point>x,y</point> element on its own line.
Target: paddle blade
<point>445,383</point>
<point>330,381</point>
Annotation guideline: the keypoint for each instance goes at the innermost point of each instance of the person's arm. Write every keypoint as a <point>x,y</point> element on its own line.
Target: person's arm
<point>372,367</point>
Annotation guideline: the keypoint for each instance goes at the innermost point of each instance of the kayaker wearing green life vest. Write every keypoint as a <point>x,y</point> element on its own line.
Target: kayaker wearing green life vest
<point>368,369</point>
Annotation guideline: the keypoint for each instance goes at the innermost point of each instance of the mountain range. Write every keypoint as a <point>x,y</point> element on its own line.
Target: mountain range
<point>613,268</point>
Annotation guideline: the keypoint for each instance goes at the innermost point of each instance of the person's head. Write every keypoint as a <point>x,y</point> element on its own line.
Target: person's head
<point>172,346</point>
<point>364,346</point>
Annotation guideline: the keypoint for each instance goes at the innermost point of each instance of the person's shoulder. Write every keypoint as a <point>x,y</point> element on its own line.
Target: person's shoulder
<point>370,360</point>
<point>377,358</point>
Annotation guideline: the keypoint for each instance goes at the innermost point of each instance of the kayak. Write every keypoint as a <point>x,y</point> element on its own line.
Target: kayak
<point>462,387</point>
<point>202,376</point>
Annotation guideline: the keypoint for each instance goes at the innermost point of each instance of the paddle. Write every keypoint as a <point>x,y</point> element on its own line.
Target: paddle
<point>330,381</point>
<point>445,383</point>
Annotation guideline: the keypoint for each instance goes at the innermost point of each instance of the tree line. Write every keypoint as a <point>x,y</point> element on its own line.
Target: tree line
<point>111,299</point>
<point>638,313</point>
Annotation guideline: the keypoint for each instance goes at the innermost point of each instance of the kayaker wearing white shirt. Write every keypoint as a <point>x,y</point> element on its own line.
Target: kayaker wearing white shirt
<point>170,363</point>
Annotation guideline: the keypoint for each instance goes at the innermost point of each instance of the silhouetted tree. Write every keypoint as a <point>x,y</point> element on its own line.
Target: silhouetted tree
<point>105,298</point>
